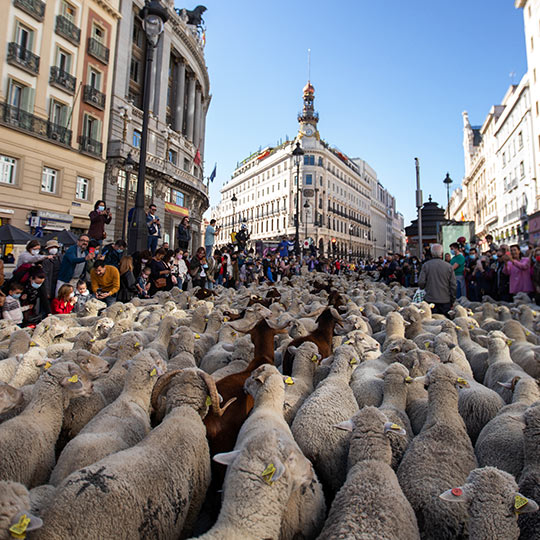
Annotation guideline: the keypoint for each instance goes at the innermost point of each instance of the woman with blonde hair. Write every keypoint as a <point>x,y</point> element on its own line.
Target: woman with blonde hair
<point>64,301</point>
<point>128,283</point>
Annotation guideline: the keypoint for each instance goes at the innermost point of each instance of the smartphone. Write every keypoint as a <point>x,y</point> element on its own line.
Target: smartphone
<point>92,250</point>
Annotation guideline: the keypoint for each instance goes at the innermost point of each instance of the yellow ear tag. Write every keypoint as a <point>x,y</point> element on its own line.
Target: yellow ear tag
<point>527,333</point>
<point>353,361</point>
<point>33,344</point>
<point>206,319</point>
<point>346,342</point>
<point>431,306</point>
<point>268,474</point>
<point>92,340</point>
<point>74,379</point>
<point>361,309</point>
<point>534,313</point>
<point>234,333</point>
<point>19,529</point>
<point>408,379</point>
<point>395,427</point>
<point>47,365</point>
<point>458,327</point>
<point>197,336</point>
<point>427,344</point>
<point>225,319</point>
<point>314,358</point>
<point>137,344</point>
<point>208,401</point>
<point>153,373</point>
<point>289,380</point>
<point>461,380</point>
<point>509,342</point>
<point>519,502</point>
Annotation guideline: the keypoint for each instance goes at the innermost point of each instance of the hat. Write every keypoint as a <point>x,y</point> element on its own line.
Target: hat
<point>51,244</point>
<point>461,240</point>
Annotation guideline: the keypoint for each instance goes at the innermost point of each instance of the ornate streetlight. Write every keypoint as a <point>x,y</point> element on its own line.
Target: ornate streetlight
<point>234,200</point>
<point>154,16</point>
<point>297,154</point>
<point>447,180</point>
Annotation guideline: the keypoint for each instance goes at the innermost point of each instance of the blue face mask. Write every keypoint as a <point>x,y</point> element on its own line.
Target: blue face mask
<point>101,208</point>
<point>472,257</point>
<point>452,252</point>
<point>16,295</point>
<point>120,251</point>
<point>494,257</point>
<point>36,285</point>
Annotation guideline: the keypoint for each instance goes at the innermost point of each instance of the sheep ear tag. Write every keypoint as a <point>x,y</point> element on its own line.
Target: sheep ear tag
<point>47,365</point>
<point>208,401</point>
<point>522,505</point>
<point>153,373</point>
<point>22,523</point>
<point>33,344</point>
<point>268,474</point>
<point>462,383</point>
<point>427,344</point>
<point>353,361</point>
<point>408,379</point>
<point>197,336</point>
<point>289,380</point>
<point>390,427</point>
<point>453,495</point>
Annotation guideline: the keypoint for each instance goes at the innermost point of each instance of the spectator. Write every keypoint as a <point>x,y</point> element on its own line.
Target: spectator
<point>491,245</point>
<point>159,277</point>
<point>73,265</point>
<point>502,280</point>
<point>140,260</point>
<point>458,264</point>
<point>179,268</point>
<point>35,298</point>
<point>51,267</point>
<point>12,309</point>
<point>210,237</point>
<point>65,301</point>
<point>198,267</point>
<point>184,234</point>
<point>113,253</point>
<point>438,279</point>
<point>82,295</point>
<point>128,283</point>
<point>154,228</point>
<point>518,268</point>
<point>536,275</point>
<point>143,283</point>
<point>30,256</point>
<point>99,217</point>
<point>105,282</point>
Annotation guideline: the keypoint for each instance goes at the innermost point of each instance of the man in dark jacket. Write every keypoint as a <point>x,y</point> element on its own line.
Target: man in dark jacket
<point>114,252</point>
<point>438,280</point>
<point>35,296</point>
<point>73,265</point>
<point>51,267</point>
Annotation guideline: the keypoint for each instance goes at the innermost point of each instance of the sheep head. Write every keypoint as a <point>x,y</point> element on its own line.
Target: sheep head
<point>10,398</point>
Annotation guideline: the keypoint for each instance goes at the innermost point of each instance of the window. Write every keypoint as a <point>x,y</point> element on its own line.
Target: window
<point>178,197</point>
<point>309,179</point>
<point>91,128</point>
<point>504,158</point>
<point>98,33</point>
<point>63,60</point>
<point>136,139</point>
<point>173,156</point>
<point>520,140</point>
<point>187,166</point>
<point>8,168</point>
<point>49,178</point>
<point>94,78</point>
<point>68,11</point>
<point>58,113</point>
<point>24,37</point>
<point>309,160</point>
<point>320,162</point>
<point>522,169</point>
<point>135,70</point>
<point>83,187</point>
<point>20,96</point>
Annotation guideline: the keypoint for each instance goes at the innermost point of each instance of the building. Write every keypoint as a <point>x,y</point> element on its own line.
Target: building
<point>433,216</point>
<point>335,193</point>
<point>55,87</point>
<point>179,101</point>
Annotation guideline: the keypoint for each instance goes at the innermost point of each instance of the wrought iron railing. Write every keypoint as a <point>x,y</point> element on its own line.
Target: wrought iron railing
<point>22,58</point>
<point>98,50</point>
<point>62,79</point>
<point>90,146</point>
<point>94,97</point>
<point>64,27</point>
<point>34,8</point>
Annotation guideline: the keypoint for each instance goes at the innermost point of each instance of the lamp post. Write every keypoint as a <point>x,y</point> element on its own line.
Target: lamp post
<point>350,241</point>
<point>419,205</point>
<point>154,16</point>
<point>306,206</point>
<point>297,153</point>
<point>129,165</point>
<point>234,200</point>
<point>447,180</point>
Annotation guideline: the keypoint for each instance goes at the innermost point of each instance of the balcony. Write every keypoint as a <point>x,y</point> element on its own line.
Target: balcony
<point>23,58</point>
<point>90,146</point>
<point>94,97</point>
<point>34,8</point>
<point>25,121</point>
<point>62,80</point>
<point>98,50</point>
<point>65,28</point>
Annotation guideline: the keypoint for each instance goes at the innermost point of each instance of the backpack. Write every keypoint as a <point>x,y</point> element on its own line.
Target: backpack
<point>22,273</point>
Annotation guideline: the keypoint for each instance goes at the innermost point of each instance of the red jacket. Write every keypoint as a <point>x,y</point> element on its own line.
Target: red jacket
<point>61,306</point>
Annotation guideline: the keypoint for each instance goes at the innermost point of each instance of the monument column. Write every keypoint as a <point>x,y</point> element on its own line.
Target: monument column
<point>180,96</point>
<point>197,120</point>
<point>191,108</point>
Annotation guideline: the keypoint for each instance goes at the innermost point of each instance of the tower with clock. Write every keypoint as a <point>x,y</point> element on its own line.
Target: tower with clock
<point>308,118</point>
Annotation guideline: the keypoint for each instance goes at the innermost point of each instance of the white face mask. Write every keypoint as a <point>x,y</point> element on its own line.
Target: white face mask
<point>53,251</point>
<point>71,295</point>
<point>144,261</point>
<point>85,293</point>
<point>35,252</point>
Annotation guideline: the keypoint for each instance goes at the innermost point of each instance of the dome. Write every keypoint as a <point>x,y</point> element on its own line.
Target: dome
<point>308,89</point>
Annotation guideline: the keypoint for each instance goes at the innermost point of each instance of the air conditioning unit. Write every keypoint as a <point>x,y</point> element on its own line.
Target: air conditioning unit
<point>55,136</point>
<point>94,98</point>
<point>91,148</point>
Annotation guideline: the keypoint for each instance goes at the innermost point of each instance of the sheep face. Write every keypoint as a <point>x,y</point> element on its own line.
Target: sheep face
<point>9,398</point>
<point>94,366</point>
<point>15,516</point>
<point>264,378</point>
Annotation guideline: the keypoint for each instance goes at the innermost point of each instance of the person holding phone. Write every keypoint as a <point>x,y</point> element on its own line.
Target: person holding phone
<point>99,217</point>
<point>74,263</point>
<point>210,237</point>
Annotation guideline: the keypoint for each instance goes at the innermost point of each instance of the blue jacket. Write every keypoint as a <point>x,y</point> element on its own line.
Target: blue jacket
<point>69,262</point>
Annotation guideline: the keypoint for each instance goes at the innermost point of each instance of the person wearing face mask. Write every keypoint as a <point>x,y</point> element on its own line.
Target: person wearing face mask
<point>458,264</point>
<point>113,253</point>
<point>99,217</point>
<point>65,301</point>
<point>518,268</point>
<point>30,255</point>
<point>51,267</point>
<point>12,310</point>
<point>35,297</point>
<point>74,262</point>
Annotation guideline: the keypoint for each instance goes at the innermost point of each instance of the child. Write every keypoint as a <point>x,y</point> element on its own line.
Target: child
<point>12,309</point>
<point>82,295</point>
<point>143,283</point>
<point>65,300</point>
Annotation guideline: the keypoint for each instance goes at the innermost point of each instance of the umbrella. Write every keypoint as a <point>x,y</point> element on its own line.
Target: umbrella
<point>12,235</point>
<point>64,237</point>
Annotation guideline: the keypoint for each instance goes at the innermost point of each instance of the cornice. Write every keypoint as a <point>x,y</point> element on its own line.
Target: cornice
<point>104,4</point>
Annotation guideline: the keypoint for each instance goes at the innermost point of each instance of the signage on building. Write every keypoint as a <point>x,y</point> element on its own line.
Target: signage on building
<point>55,216</point>
<point>6,211</point>
<point>308,193</point>
<point>176,210</point>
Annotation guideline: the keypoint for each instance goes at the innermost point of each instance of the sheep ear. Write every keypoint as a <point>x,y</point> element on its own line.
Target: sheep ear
<point>345,426</point>
<point>523,505</point>
<point>390,427</point>
<point>226,458</point>
<point>292,350</point>
<point>457,494</point>
<point>229,347</point>
<point>22,522</point>
<point>505,384</point>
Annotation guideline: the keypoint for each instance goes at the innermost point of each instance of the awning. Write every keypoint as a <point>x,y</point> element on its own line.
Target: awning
<point>176,210</point>
<point>80,222</point>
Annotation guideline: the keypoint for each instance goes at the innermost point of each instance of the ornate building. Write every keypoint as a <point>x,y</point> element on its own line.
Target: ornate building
<point>179,101</point>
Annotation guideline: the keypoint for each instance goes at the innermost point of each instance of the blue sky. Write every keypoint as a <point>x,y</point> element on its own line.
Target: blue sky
<point>391,80</point>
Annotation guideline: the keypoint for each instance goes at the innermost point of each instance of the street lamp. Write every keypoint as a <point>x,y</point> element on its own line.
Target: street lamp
<point>306,206</point>
<point>297,154</point>
<point>234,200</point>
<point>350,241</point>
<point>129,165</point>
<point>447,180</point>
<point>154,16</point>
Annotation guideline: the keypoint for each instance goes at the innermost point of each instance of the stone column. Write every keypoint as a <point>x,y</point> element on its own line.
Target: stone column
<point>197,119</point>
<point>180,93</point>
<point>191,108</point>
<point>204,110</point>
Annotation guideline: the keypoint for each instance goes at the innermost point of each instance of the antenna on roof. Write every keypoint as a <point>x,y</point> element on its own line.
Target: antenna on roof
<point>309,64</point>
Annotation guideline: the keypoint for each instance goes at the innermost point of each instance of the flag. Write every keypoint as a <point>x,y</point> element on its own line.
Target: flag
<point>203,38</point>
<point>213,175</point>
<point>197,158</point>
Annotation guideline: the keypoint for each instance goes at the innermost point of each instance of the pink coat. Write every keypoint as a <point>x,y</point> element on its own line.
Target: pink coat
<point>520,275</point>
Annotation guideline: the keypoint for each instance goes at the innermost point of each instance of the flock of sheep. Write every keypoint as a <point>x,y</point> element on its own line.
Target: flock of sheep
<point>329,408</point>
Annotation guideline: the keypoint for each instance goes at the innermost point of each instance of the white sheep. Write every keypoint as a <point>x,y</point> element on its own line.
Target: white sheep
<point>10,397</point>
<point>16,518</point>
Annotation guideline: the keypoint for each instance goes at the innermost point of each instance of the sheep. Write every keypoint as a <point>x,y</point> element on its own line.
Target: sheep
<point>163,336</point>
<point>529,482</point>
<point>306,359</point>
<point>500,443</point>
<point>8,367</point>
<point>181,355</point>
<point>439,457</point>
<point>476,354</point>
<point>154,489</point>
<point>10,397</point>
<point>492,500</point>
<point>120,425</point>
<point>239,359</point>
<point>38,426</point>
<point>19,343</point>
<point>370,504</point>
<point>522,352</point>
<point>332,402</point>
<point>29,368</point>
<point>15,504</point>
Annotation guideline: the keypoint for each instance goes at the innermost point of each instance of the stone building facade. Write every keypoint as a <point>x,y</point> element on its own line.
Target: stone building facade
<point>179,101</point>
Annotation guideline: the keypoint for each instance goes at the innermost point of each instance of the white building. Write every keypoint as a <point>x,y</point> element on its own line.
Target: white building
<point>336,192</point>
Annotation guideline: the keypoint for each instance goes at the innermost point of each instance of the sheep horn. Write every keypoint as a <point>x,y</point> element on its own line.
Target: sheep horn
<point>214,396</point>
<point>162,385</point>
<point>243,325</point>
